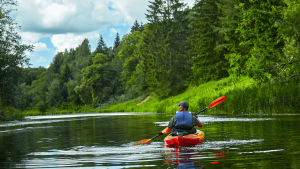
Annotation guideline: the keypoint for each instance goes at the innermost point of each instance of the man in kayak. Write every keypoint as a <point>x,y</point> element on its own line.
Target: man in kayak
<point>183,122</point>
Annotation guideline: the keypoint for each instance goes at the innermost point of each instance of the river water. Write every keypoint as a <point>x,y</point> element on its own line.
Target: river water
<point>107,140</point>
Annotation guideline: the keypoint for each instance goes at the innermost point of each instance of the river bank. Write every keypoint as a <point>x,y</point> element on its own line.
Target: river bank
<point>243,95</point>
<point>10,114</point>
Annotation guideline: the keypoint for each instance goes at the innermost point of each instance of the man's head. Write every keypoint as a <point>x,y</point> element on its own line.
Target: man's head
<point>183,104</point>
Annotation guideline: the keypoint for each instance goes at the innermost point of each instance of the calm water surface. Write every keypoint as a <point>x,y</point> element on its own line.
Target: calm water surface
<point>106,141</point>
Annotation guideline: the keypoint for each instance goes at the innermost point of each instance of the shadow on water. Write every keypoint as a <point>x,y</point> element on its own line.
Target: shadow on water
<point>106,141</point>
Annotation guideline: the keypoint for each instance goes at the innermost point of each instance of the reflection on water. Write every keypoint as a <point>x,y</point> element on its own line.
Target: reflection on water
<point>106,141</point>
<point>134,155</point>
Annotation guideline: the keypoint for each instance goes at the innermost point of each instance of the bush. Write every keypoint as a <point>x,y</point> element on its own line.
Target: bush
<point>41,106</point>
<point>10,114</point>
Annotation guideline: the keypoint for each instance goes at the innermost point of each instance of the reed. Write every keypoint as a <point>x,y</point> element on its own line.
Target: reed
<point>243,95</point>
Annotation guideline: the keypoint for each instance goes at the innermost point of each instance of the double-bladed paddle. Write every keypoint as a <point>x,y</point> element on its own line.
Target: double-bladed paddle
<point>213,104</point>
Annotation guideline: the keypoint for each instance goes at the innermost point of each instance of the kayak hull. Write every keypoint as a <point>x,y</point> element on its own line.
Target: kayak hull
<point>185,141</point>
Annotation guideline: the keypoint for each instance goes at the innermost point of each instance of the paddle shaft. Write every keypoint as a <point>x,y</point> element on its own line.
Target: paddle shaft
<point>155,137</point>
<point>200,111</point>
<point>213,104</point>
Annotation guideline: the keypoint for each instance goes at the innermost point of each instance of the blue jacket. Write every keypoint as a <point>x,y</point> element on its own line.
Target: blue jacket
<point>184,121</point>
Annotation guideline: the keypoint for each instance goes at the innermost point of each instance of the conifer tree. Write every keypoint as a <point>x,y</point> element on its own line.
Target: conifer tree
<point>260,38</point>
<point>230,20</point>
<point>117,41</point>
<point>135,27</point>
<point>66,74</point>
<point>208,61</point>
<point>288,28</point>
<point>101,47</point>
<point>84,49</point>
<point>142,26</point>
<point>162,48</point>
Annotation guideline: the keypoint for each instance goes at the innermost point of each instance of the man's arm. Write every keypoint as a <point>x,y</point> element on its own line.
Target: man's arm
<point>170,126</point>
<point>165,131</point>
<point>197,122</point>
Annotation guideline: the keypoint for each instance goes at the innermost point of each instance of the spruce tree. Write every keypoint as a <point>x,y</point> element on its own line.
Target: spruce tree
<point>162,48</point>
<point>66,74</point>
<point>117,41</point>
<point>135,27</point>
<point>101,47</point>
<point>230,19</point>
<point>142,26</point>
<point>208,61</point>
<point>260,38</point>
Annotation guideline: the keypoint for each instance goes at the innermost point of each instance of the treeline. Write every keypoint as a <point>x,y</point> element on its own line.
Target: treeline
<point>179,46</point>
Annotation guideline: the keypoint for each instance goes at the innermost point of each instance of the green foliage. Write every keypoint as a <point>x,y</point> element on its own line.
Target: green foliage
<point>66,74</point>
<point>207,50</point>
<point>41,106</point>
<point>162,49</point>
<point>133,77</point>
<point>117,41</point>
<point>179,49</point>
<point>101,47</point>
<point>85,93</point>
<point>262,44</point>
<point>10,114</point>
<point>22,98</point>
<point>12,54</point>
<point>31,74</point>
<point>136,27</point>
<point>53,96</point>
<point>98,77</point>
<point>243,95</point>
<point>288,28</point>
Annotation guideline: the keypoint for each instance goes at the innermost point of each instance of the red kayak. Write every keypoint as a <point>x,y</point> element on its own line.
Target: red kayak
<point>185,141</point>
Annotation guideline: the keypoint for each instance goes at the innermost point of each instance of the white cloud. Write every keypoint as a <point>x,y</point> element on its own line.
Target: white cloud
<point>113,31</point>
<point>70,40</point>
<point>37,47</point>
<point>75,16</point>
<point>190,3</point>
<point>29,54</point>
<point>30,36</point>
<point>40,46</point>
<point>41,59</point>
<point>56,14</point>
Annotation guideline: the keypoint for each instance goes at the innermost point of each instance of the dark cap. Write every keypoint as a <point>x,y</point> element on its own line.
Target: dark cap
<point>183,104</point>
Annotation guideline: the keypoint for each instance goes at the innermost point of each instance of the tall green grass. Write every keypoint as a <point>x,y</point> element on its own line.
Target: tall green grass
<point>243,95</point>
<point>58,111</point>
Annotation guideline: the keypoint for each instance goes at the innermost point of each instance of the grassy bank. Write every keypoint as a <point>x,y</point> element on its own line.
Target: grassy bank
<point>10,114</point>
<point>243,95</point>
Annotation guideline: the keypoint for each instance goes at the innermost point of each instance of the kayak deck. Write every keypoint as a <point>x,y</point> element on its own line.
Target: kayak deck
<point>184,141</point>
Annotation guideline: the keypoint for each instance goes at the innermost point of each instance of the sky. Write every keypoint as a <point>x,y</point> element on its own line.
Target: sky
<point>55,25</point>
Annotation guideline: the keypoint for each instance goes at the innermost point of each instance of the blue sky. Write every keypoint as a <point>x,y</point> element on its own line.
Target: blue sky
<point>55,25</point>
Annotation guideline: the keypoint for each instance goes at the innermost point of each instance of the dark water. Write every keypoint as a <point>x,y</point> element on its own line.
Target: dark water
<point>106,141</point>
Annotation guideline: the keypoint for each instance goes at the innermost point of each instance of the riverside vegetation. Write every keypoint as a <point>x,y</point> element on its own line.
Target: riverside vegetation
<point>247,50</point>
<point>243,95</point>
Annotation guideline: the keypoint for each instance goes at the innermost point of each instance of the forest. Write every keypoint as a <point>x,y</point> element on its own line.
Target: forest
<point>177,48</point>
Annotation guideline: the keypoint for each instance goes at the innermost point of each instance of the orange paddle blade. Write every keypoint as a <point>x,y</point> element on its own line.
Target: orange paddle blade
<point>147,141</point>
<point>217,101</point>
